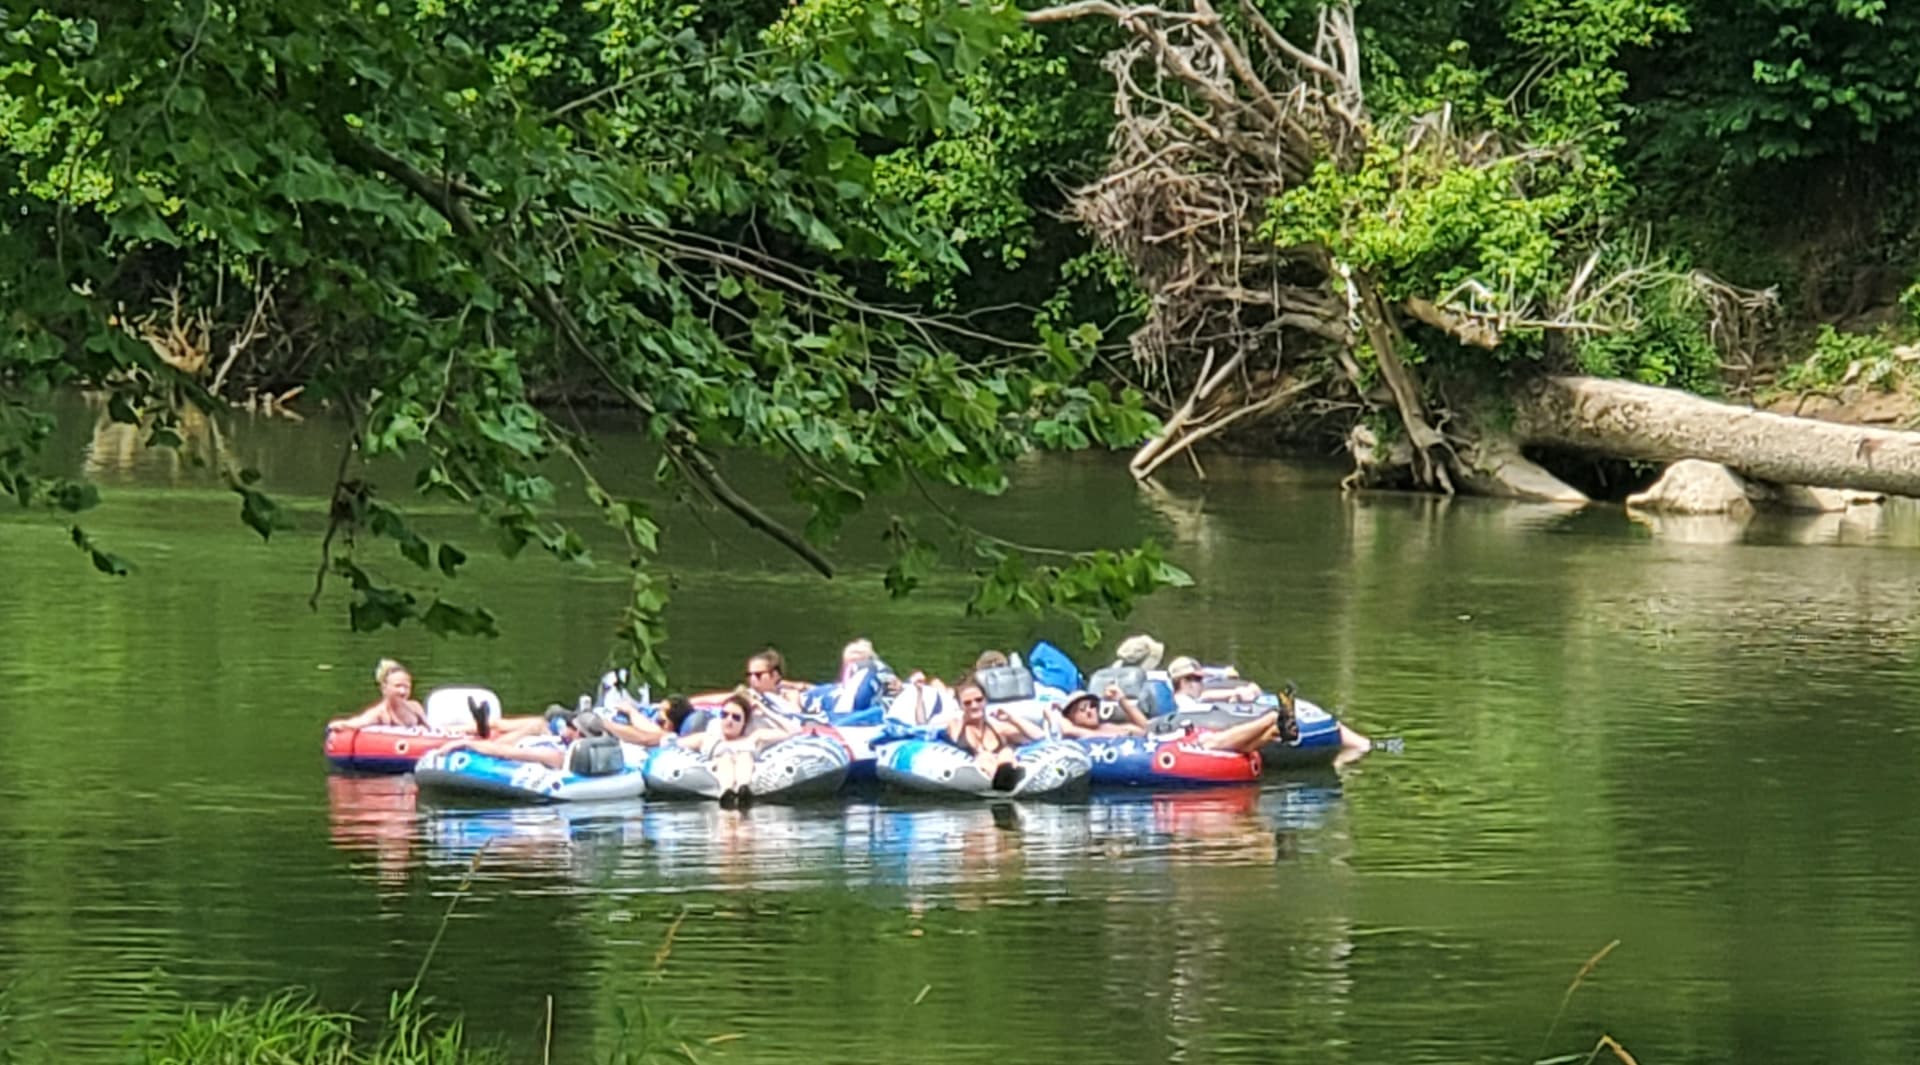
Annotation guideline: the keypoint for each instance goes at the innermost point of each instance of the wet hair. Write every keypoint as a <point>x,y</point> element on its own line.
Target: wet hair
<point>679,708</point>
<point>773,660</point>
<point>968,682</point>
<point>989,660</point>
<point>387,668</point>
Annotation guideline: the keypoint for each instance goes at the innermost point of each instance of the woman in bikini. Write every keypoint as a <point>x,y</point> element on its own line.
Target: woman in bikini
<point>396,705</point>
<point>989,738</point>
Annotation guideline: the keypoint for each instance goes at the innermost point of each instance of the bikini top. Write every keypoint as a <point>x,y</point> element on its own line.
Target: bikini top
<point>959,737</point>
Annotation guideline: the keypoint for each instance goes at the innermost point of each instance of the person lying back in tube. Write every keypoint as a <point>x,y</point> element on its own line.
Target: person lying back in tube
<point>990,739</point>
<point>396,705</point>
<point>582,746</point>
<point>1080,718</point>
<point>734,739</point>
<point>1190,684</point>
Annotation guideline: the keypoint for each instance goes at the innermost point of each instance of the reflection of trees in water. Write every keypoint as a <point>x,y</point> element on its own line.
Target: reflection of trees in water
<point>117,449</point>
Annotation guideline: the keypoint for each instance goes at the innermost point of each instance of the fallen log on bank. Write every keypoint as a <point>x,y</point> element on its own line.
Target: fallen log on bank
<point>1627,420</point>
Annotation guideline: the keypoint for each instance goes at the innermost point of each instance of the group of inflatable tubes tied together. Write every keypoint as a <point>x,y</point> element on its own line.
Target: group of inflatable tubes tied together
<point>855,735</point>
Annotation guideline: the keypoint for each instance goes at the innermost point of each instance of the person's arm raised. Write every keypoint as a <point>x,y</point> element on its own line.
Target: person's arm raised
<point>1127,705</point>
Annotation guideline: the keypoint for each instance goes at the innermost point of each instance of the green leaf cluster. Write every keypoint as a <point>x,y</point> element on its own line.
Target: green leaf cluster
<point>463,204</point>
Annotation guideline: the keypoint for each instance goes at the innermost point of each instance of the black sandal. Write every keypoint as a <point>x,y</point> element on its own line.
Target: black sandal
<point>478,709</point>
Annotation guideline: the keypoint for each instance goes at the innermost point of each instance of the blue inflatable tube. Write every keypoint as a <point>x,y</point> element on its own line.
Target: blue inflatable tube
<point>808,766</point>
<point>1050,768</point>
<point>473,773</point>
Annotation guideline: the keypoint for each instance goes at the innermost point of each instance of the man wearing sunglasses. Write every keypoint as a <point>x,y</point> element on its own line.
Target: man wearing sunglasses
<point>767,681</point>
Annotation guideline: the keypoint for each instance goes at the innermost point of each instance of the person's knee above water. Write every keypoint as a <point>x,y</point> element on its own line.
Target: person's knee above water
<point>583,745</point>
<point>1189,682</point>
<point>734,738</point>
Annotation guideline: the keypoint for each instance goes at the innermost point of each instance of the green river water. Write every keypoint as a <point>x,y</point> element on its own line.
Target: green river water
<point>1697,739</point>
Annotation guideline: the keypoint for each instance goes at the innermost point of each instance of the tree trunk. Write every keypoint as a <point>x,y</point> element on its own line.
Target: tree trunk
<point>1664,425</point>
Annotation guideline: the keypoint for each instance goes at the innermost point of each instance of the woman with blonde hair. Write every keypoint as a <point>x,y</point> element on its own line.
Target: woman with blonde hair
<point>396,705</point>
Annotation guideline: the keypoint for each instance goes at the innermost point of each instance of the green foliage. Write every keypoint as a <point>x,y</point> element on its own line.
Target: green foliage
<point>1422,224</point>
<point>1846,358</point>
<point>1789,79</point>
<point>291,1028</point>
<point>1492,185</point>
<point>1668,343</point>
<point>460,200</point>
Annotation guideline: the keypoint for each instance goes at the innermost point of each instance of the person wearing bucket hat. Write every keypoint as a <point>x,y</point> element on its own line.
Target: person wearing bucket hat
<point>1139,650</point>
<point>1079,717</point>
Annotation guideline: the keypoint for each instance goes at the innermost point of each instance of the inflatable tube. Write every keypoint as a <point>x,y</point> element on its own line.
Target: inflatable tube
<point>860,741</point>
<point>1138,761</point>
<point>384,748</point>
<point>1049,768</point>
<point>808,766</point>
<point>1319,741</point>
<point>678,773</point>
<point>473,773</point>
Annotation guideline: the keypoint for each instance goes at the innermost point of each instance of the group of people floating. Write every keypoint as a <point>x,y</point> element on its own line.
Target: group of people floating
<point>769,707</point>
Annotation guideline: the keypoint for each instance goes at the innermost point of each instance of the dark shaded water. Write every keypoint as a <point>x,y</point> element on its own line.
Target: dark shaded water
<point>1697,739</point>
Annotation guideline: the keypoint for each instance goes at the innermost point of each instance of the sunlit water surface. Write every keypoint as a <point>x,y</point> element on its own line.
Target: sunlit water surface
<point>1696,738</point>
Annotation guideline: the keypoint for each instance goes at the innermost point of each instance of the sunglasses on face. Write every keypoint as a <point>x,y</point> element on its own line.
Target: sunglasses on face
<point>757,673</point>
<point>733,716</point>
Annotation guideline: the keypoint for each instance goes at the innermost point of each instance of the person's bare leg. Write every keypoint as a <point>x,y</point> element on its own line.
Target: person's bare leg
<point>743,772</point>
<point>1354,740</point>
<point>724,770</point>
<point>551,757</point>
<point>1245,737</point>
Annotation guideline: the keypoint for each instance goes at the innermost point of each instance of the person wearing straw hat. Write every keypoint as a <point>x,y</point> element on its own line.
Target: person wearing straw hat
<point>1189,681</point>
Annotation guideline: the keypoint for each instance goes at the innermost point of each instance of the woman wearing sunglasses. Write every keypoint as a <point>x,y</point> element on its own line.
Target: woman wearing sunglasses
<point>738,734</point>
<point>990,738</point>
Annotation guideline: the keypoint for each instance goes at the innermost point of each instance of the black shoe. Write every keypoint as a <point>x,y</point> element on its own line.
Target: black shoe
<point>1008,777</point>
<point>745,798</point>
<point>479,711</point>
<point>729,799</point>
